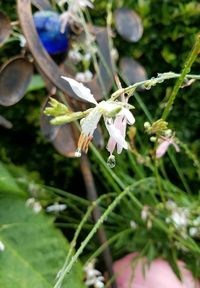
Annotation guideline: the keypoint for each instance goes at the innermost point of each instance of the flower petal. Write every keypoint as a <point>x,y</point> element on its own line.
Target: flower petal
<point>90,122</point>
<point>162,148</point>
<point>116,134</point>
<point>129,116</point>
<point>176,147</point>
<point>80,90</point>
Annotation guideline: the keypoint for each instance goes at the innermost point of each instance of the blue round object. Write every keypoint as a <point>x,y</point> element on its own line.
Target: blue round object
<point>48,26</point>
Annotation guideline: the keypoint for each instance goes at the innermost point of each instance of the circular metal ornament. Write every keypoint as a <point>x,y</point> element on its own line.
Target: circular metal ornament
<point>5,27</point>
<point>132,71</point>
<point>15,77</point>
<point>128,24</point>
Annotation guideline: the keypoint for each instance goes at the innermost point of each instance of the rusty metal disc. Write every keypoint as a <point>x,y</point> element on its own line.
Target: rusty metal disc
<point>42,4</point>
<point>48,66</point>
<point>64,141</point>
<point>61,137</point>
<point>5,27</point>
<point>49,131</point>
<point>15,77</point>
<point>128,24</point>
<point>132,71</point>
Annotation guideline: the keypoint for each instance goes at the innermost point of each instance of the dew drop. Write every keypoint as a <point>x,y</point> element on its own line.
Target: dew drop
<point>77,153</point>
<point>111,161</point>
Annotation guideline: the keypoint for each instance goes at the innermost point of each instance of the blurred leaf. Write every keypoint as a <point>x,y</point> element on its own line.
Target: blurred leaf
<point>34,250</point>
<point>36,83</point>
<point>8,183</point>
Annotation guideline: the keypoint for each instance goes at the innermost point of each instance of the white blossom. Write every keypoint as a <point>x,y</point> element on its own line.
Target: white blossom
<point>75,56</point>
<point>2,246</point>
<point>71,15</point>
<point>35,205</point>
<point>80,90</point>
<point>133,224</point>
<point>107,109</point>
<point>193,231</point>
<point>93,277</point>
<point>56,207</point>
<point>84,76</point>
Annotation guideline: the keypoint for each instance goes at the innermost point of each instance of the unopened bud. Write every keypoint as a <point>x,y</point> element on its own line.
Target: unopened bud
<point>147,125</point>
<point>168,133</point>
<point>153,139</point>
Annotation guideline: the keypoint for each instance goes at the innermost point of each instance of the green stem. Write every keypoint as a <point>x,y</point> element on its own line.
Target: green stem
<point>187,66</point>
<point>95,228</point>
<point>150,83</point>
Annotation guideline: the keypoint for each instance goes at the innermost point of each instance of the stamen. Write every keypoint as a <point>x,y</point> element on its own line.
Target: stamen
<point>86,144</point>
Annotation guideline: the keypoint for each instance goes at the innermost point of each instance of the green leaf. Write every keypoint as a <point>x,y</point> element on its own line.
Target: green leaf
<point>34,250</point>
<point>36,83</point>
<point>8,183</point>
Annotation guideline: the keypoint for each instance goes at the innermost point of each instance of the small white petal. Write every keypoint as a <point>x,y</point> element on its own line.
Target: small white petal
<point>129,116</point>
<point>176,147</point>
<point>116,135</point>
<point>2,246</point>
<point>90,122</point>
<point>80,90</point>
<point>56,207</point>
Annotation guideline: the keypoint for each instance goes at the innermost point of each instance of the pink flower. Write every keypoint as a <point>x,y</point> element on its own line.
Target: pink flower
<point>158,275</point>
<point>164,144</point>
<point>119,125</point>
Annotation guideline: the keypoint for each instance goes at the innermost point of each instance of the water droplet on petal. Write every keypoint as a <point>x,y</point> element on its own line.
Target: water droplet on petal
<point>77,153</point>
<point>111,161</point>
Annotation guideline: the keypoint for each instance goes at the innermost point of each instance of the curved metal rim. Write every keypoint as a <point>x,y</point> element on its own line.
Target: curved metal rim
<point>42,58</point>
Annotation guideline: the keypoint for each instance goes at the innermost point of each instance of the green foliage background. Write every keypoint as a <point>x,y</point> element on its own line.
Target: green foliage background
<point>170,27</point>
<point>169,31</point>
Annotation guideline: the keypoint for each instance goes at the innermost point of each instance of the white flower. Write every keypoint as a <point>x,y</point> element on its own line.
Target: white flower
<point>93,277</point>
<point>56,207</point>
<point>107,109</point>
<point>193,231</point>
<point>76,5</point>
<point>71,15</point>
<point>35,205</point>
<point>145,213</point>
<point>80,90</point>
<point>2,246</point>
<point>84,76</point>
<point>180,218</point>
<point>75,56</point>
<point>133,224</point>
<point>22,41</point>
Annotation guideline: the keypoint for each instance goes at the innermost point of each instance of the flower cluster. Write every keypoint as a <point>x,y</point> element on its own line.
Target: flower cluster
<point>163,136</point>
<point>182,220</point>
<point>93,277</point>
<point>71,15</point>
<point>34,204</point>
<point>116,116</point>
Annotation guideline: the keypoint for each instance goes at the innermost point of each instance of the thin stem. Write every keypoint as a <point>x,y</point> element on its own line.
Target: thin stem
<point>94,230</point>
<point>150,83</point>
<point>102,161</point>
<point>73,243</point>
<point>187,66</point>
<point>108,242</point>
